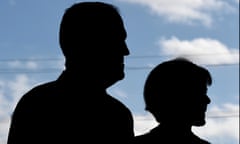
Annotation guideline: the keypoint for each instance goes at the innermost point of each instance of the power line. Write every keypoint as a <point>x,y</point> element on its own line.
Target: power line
<point>223,116</point>
<point>211,117</point>
<point>27,71</point>
<point>53,70</point>
<point>30,59</point>
<point>179,55</point>
<point>128,57</point>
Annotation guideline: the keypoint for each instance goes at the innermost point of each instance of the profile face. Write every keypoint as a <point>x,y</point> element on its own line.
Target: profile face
<point>103,45</point>
<point>92,38</point>
<point>114,49</point>
<point>199,103</point>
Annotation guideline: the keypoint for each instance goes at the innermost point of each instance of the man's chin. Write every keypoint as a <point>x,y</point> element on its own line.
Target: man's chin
<point>119,75</point>
<point>114,79</point>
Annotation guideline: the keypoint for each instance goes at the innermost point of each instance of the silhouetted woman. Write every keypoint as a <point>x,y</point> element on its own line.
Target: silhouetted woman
<point>175,93</point>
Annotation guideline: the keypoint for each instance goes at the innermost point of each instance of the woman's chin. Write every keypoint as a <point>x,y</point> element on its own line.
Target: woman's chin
<point>199,123</point>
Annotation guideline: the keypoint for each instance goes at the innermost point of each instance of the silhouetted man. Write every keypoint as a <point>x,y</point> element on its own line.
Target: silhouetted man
<point>76,107</point>
<point>175,93</point>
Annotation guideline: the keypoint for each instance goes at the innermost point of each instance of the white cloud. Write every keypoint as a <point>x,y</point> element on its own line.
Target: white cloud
<point>185,11</point>
<point>12,89</point>
<point>34,65</point>
<point>223,122</point>
<point>200,50</point>
<point>3,102</point>
<point>227,109</point>
<point>216,129</point>
<point>19,86</point>
<point>143,123</point>
<point>23,65</point>
<point>10,92</point>
<point>4,127</point>
<point>220,128</point>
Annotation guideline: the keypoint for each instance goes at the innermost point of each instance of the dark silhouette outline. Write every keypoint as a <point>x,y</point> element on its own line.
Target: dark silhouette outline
<point>76,107</point>
<point>175,93</point>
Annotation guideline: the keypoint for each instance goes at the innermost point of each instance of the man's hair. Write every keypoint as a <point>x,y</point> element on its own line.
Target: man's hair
<point>84,22</point>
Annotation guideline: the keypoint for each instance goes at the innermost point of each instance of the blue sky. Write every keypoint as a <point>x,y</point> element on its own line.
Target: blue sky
<point>205,31</point>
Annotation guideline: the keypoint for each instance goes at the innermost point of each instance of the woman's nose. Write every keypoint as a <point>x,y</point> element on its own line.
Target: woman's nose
<point>207,99</point>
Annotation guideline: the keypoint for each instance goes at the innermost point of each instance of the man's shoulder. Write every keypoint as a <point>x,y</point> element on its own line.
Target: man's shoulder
<point>114,102</point>
<point>117,109</point>
<point>37,93</point>
<point>145,138</point>
<point>41,88</point>
<point>201,141</point>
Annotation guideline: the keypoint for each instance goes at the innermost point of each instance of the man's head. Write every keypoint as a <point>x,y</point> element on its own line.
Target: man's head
<point>92,38</point>
<point>176,91</point>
